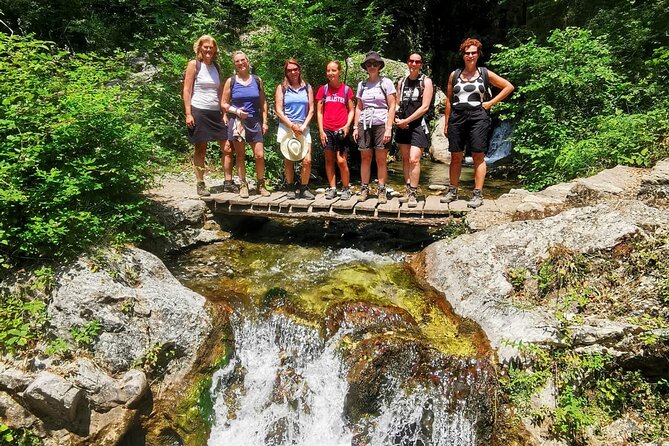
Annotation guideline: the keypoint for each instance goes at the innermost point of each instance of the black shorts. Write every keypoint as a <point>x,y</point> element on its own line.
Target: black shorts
<point>209,126</point>
<point>469,126</point>
<point>372,138</point>
<point>334,142</point>
<point>417,136</point>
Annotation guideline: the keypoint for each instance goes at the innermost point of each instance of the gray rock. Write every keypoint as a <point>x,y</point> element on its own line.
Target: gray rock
<point>13,380</point>
<point>15,415</point>
<point>471,270</point>
<point>108,289</point>
<point>105,392</point>
<point>54,397</point>
<point>439,144</point>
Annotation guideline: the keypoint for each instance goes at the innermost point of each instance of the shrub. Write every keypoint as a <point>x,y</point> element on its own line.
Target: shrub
<point>74,151</point>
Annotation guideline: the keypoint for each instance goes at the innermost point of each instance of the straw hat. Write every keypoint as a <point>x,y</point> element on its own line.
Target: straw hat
<point>294,147</point>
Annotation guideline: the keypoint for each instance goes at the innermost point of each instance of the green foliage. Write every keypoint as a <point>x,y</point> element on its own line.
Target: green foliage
<point>57,347</point>
<point>17,437</point>
<point>573,113</point>
<point>74,155</point>
<point>156,359</point>
<point>85,335</point>
<point>21,322</point>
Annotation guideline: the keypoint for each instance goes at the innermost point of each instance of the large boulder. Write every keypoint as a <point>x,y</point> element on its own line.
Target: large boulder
<point>140,306</point>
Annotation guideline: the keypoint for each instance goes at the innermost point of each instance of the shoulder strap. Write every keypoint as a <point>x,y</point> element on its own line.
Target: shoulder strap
<point>383,90</point>
<point>456,76</point>
<point>421,82</point>
<point>233,81</point>
<point>484,75</point>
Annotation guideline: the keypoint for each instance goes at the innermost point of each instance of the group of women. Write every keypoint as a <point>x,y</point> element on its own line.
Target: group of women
<point>234,112</point>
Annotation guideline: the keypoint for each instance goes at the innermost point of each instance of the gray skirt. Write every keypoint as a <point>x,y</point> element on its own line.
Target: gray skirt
<point>209,126</point>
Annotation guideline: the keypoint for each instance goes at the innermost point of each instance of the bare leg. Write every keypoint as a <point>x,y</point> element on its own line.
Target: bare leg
<point>226,159</point>
<point>305,172</point>
<point>343,169</point>
<point>198,160</point>
<point>259,155</point>
<point>289,171</point>
<point>480,169</point>
<point>415,154</point>
<point>382,165</point>
<point>455,168</point>
<point>240,154</point>
<point>330,168</point>
<point>404,152</point>
<point>365,165</point>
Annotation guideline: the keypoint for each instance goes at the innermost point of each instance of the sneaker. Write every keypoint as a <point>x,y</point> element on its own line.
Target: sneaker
<point>345,194</point>
<point>261,189</point>
<point>244,190</point>
<point>404,198</point>
<point>291,195</point>
<point>477,199</point>
<point>383,195</point>
<point>230,186</point>
<point>451,195</point>
<point>306,193</point>
<point>364,193</point>
<point>412,202</point>
<point>202,189</point>
<point>331,193</point>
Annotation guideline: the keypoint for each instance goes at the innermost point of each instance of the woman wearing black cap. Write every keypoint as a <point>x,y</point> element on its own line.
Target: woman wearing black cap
<point>374,116</point>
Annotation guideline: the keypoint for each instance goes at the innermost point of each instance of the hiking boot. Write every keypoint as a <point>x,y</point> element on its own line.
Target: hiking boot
<point>291,195</point>
<point>451,195</point>
<point>477,199</point>
<point>345,194</point>
<point>244,190</point>
<point>412,202</point>
<point>364,193</point>
<point>306,193</point>
<point>405,198</point>
<point>383,195</point>
<point>230,186</point>
<point>331,193</point>
<point>202,189</point>
<point>261,189</point>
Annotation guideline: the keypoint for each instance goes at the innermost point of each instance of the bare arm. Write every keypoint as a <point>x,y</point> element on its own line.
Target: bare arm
<point>392,102</point>
<point>263,106</point>
<point>187,93</point>
<point>310,110</point>
<point>356,119</point>
<point>351,113</point>
<point>319,118</point>
<point>502,84</point>
<point>447,103</point>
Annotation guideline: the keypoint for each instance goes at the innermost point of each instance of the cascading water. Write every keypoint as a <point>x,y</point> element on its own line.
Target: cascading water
<point>350,353</point>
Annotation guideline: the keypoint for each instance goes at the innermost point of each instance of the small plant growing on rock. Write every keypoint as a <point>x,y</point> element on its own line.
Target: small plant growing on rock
<point>87,334</point>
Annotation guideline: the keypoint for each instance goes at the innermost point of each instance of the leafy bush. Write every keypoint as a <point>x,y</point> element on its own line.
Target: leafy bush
<point>21,322</point>
<point>74,151</point>
<point>573,114</point>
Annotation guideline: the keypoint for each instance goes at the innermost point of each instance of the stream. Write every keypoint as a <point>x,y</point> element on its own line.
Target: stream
<point>335,342</point>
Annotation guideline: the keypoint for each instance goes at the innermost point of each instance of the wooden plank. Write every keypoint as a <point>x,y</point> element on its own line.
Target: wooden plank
<point>345,205</point>
<point>392,207</point>
<point>300,205</point>
<point>224,197</point>
<point>321,203</point>
<point>243,202</point>
<point>366,207</point>
<point>417,211</point>
<point>433,206</point>
<point>264,203</point>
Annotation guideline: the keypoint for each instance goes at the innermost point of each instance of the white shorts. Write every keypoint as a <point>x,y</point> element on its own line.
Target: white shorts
<point>283,130</point>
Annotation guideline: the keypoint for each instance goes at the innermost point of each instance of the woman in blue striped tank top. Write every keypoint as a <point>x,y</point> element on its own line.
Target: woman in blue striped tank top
<point>294,108</point>
<point>244,100</point>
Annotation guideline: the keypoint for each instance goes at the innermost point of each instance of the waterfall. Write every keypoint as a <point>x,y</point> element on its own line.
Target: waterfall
<point>286,385</point>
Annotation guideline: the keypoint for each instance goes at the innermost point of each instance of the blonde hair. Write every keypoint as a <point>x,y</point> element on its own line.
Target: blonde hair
<point>197,47</point>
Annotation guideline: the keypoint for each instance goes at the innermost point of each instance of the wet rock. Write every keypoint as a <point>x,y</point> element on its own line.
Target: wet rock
<point>367,317</point>
<point>54,397</point>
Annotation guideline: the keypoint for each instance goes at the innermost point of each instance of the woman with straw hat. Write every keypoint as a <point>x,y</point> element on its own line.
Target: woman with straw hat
<point>294,100</point>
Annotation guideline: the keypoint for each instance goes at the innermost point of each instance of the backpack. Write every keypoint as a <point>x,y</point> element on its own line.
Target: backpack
<point>487,93</point>
<point>233,81</point>
<point>383,90</point>
<point>402,103</point>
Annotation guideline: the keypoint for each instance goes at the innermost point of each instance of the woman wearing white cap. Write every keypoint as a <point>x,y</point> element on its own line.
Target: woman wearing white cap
<point>374,116</point>
<point>294,108</point>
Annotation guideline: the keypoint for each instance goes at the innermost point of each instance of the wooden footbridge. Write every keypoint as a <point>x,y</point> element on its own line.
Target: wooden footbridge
<point>428,212</point>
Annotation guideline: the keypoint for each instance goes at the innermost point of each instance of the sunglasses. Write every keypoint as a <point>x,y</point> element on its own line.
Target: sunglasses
<point>414,61</point>
<point>471,53</point>
<point>373,64</point>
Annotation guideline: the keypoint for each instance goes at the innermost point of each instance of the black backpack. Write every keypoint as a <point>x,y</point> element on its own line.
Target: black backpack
<point>487,93</point>
<point>430,111</point>
<point>233,81</point>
